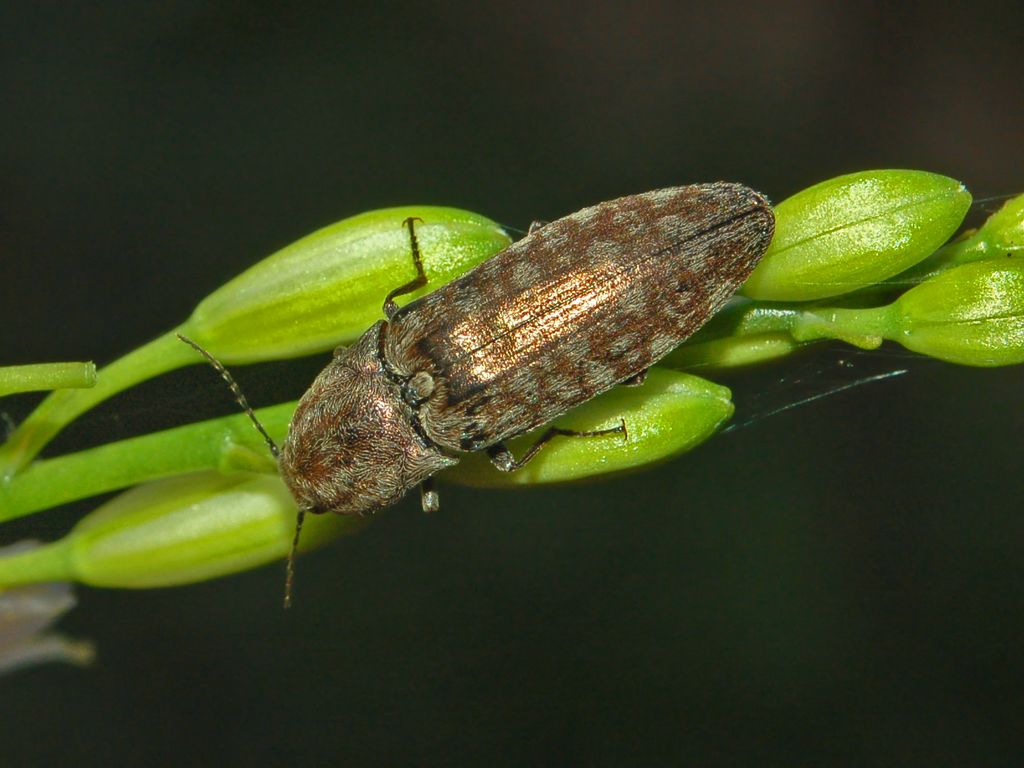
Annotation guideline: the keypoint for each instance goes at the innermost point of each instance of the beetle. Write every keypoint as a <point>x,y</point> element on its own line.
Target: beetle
<point>572,309</point>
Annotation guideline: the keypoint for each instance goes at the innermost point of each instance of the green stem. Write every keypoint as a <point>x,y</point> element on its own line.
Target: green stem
<point>744,333</point>
<point>864,328</point>
<point>756,331</point>
<point>46,376</point>
<point>50,562</point>
<point>226,444</point>
<point>732,351</point>
<point>61,407</point>
<point>748,318</point>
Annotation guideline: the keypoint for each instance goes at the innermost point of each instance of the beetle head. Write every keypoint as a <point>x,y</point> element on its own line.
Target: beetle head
<point>351,445</point>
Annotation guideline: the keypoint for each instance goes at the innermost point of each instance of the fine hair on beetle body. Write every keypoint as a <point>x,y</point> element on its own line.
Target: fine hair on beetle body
<point>575,307</point>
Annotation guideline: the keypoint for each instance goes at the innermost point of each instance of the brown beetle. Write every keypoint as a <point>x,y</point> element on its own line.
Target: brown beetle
<point>574,308</point>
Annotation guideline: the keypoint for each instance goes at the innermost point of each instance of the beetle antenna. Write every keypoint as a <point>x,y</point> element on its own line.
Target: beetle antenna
<point>240,399</point>
<point>235,390</point>
<point>289,578</point>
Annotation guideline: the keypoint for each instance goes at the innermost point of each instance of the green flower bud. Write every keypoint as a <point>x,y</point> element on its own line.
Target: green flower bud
<point>852,231</point>
<point>668,414</point>
<point>177,531</point>
<point>322,291</point>
<point>1001,235</point>
<point>328,288</point>
<point>971,315</point>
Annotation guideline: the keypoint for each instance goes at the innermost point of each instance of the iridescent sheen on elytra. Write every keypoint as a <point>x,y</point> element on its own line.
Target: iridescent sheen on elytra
<point>574,308</point>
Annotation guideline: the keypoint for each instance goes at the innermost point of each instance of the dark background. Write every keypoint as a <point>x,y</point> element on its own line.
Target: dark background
<point>836,585</point>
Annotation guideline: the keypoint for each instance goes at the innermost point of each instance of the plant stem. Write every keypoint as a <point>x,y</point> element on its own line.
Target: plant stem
<point>46,563</point>
<point>163,354</point>
<point>46,376</point>
<point>226,444</point>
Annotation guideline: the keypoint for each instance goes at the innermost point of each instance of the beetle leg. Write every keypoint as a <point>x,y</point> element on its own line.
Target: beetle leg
<point>428,496</point>
<point>503,459</point>
<point>421,277</point>
<point>636,381</point>
<point>535,225</point>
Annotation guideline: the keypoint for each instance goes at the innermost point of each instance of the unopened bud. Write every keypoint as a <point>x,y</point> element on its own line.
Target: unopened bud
<point>971,315</point>
<point>177,531</point>
<point>668,414</point>
<point>852,231</point>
